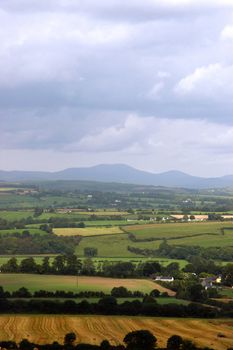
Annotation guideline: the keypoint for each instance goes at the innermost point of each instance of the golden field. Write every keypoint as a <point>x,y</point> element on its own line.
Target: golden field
<point>93,329</point>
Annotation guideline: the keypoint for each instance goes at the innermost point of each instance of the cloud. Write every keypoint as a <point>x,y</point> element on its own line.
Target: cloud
<point>155,92</point>
<point>156,144</point>
<point>134,81</point>
<point>114,138</point>
<point>227,32</point>
<point>212,81</point>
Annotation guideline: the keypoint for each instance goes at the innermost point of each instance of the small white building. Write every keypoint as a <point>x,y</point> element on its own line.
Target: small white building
<point>164,279</point>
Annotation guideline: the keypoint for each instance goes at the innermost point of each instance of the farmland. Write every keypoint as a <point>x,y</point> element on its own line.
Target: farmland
<point>190,234</point>
<point>87,231</point>
<point>33,282</point>
<point>93,329</point>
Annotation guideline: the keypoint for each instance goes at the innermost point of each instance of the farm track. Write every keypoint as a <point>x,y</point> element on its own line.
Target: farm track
<point>93,329</point>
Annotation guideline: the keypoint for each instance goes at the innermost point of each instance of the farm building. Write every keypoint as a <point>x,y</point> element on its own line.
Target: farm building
<point>164,279</point>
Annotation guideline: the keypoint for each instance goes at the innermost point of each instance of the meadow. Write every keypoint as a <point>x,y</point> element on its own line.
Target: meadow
<point>93,329</point>
<point>87,231</point>
<point>33,282</point>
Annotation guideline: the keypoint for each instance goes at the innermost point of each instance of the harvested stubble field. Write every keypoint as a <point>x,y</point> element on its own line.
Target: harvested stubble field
<point>93,329</point>
<point>35,282</point>
<point>87,231</point>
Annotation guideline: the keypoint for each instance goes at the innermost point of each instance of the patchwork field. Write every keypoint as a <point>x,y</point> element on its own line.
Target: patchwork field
<point>216,234</point>
<point>87,231</point>
<point>93,329</point>
<point>182,230</point>
<point>35,282</point>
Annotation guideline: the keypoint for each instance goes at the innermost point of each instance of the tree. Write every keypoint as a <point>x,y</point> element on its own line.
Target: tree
<point>38,211</point>
<point>151,267</point>
<point>73,265</point>
<point>138,340</point>
<point>88,267</point>
<point>69,338</point>
<point>59,263</point>
<point>45,267</point>
<point>120,292</point>
<point>174,342</point>
<point>188,345</point>
<point>228,275</point>
<point>90,252</point>
<point>105,345</point>
<point>10,266</point>
<point>25,345</point>
<point>28,265</point>
<point>155,293</point>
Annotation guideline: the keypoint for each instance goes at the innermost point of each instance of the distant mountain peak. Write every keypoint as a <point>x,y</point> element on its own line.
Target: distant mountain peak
<point>122,173</point>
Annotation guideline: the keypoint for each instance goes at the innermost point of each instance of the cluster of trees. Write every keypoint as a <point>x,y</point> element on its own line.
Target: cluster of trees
<point>135,340</point>
<point>26,243</point>
<point>108,305</point>
<point>67,264</point>
<point>117,292</point>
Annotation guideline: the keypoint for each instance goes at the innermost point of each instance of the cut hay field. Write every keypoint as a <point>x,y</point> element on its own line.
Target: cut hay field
<point>35,282</point>
<point>87,231</point>
<point>93,329</point>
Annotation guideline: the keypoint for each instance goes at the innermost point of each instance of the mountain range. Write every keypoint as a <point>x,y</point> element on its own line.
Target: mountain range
<point>122,174</point>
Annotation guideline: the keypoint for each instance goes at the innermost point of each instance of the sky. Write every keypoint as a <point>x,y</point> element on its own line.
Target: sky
<point>144,83</point>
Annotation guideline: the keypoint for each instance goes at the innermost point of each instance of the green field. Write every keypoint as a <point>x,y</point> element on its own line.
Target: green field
<point>108,246</point>
<point>35,282</point>
<point>12,215</point>
<point>38,258</point>
<point>173,230</point>
<point>206,234</point>
<point>202,234</point>
<point>228,292</point>
<point>87,231</point>
<point>14,230</point>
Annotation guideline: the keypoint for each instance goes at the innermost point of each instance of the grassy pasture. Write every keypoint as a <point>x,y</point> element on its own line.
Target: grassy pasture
<point>87,231</point>
<point>38,258</point>
<point>202,234</point>
<point>108,246</point>
<point>35,282</point>
<point>31,230</point>
<point>13,215</point>
<point>170,231</point>
<point>93,329</point>
<point>102,213</point>
<point>7,189</point>
<point>228,292</point>
<point>207,234</point>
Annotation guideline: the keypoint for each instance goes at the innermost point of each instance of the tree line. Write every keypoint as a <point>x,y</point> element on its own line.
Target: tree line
<point>109,306</point>
<point>26,243</point>
<point>135,340</point>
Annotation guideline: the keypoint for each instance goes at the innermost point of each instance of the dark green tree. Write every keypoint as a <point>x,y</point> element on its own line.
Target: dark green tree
<point>28,265</point>
<point>138,340</point>
<point>174,342</point>
<point>69,338</point>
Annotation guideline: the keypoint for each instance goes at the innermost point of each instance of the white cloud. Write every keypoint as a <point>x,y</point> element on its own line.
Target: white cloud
<point>214,80</point>
<point>155,92</point>
<point>227,32</point>
<point>114,138</point>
